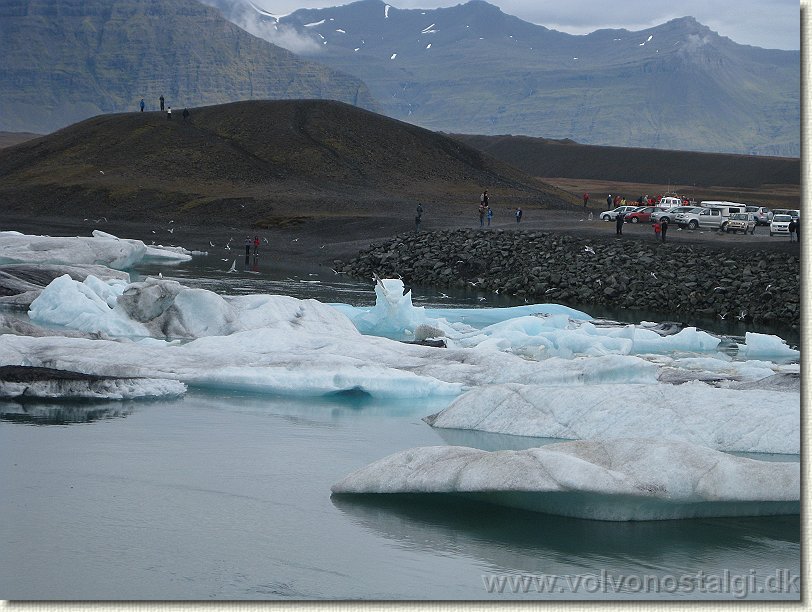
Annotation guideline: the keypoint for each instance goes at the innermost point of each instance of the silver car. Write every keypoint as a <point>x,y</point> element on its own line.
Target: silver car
<point>762,214</point>
<point>710,218</point>
<point>741,222</point>
<point>669,215</point>
<point>610,215</point>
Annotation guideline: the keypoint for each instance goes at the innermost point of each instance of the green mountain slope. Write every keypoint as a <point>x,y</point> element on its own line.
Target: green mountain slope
<point>66,60</point>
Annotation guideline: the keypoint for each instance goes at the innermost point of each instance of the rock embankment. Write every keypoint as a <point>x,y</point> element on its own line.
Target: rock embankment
<point>752,285</point>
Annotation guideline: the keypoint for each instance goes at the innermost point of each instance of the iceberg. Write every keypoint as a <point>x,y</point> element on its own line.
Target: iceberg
<point>750,421</point>
<point>100,249</point>
<point>763,346</point>
<point>162,308</point>
<point>628,479</point>
<point>20,284</point>
<point>394,315</point>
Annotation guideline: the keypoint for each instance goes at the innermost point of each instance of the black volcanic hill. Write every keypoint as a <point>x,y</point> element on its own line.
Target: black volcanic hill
<point>554,158</point>
<point>473,69</point>
<point>67,60</point>
<point>256,159</point>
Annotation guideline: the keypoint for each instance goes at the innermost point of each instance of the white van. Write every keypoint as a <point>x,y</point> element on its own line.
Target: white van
<point>669,202</point>
<point>725,209</point>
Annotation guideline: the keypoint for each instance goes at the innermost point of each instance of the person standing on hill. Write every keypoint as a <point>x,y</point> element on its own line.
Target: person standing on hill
<point>481,215</point>
<point>657,229</point>
<point>169,113</point>
<point>161,100</point>
<point>256,246</point>
<point>185,114</point>
<point>609,202</point>
<point>489,215</point>
<point>141,104</point>
<point>518,215</point>
<point>586,200</point>
<point>483,199</point>
<point>663,227</point>
<point>418,217</point>
<point>792,227</point>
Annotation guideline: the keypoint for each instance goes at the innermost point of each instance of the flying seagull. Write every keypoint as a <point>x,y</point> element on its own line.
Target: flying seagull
<point>233,267</point>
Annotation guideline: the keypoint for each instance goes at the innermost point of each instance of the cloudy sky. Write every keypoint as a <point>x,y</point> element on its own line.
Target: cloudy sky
<point>773,24</point>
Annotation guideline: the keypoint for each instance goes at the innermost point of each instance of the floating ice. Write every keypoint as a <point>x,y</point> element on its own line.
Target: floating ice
<point>115,388</point>
<point>20,284</point>
<point>614,480</point>
<point>763,346</point>
<point>723,419</point>
<point>166,309</point>
<point>394,315</point>
<point>102,248</point>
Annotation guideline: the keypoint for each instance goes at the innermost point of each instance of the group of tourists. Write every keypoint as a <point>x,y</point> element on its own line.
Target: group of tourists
<point>660,227</point>
<point>161,102</point>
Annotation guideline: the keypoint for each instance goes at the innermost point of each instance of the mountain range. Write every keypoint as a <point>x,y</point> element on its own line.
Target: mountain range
<point>66,60</point>
<point>466,69</point>
<point>473,69</point>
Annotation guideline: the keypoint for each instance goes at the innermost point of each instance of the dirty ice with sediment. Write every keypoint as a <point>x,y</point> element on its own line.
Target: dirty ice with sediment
<point>681,397</point>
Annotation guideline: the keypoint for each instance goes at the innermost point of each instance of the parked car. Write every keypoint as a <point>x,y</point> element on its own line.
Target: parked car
<point>610,215</point>
<point>762,214</point>
<point>669,215</point>
<point>710,218</point>
<point>741,222</point>
<point>792,212</point>
<point>669,202</point>
<point>640,215</point>
<point>780,225</point>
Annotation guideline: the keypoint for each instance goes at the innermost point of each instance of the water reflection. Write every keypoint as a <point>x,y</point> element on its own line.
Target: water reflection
<point>58,413</point>
<point>537,543</point>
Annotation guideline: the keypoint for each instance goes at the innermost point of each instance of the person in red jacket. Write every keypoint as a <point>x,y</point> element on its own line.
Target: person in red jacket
<point>586,199</point>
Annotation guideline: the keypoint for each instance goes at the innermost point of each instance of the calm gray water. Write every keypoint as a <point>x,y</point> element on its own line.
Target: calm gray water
<point>225,496</point>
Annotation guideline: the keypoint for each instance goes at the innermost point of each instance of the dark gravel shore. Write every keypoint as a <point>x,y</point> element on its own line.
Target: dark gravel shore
<point>700,279</point>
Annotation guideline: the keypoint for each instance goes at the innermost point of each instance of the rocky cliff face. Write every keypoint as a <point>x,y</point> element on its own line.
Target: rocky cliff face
<point>66,60</point>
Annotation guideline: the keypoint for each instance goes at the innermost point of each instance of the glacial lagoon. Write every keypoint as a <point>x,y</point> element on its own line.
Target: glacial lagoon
<point>224,492</point>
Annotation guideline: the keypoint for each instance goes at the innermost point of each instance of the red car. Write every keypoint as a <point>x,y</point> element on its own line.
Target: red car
<point>641,215</point>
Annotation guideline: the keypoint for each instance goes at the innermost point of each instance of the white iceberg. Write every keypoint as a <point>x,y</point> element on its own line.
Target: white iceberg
<point>394,315</point>
<point>613,480</point>
<point>761,346</point>
<point>101,249</point>
<point>723,419</point>
<point>162,308</point>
